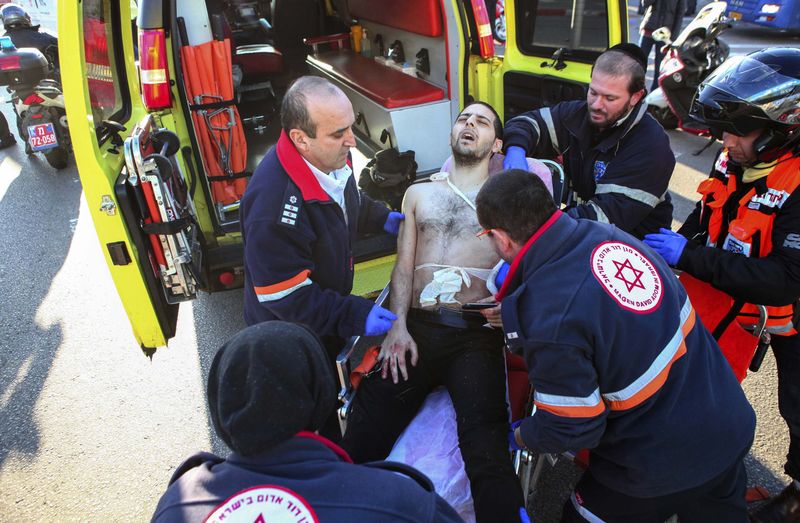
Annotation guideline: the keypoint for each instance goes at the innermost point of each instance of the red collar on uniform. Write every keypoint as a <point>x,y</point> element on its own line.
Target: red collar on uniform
<point>339,451</point>
<point>298,170</point>
<point>521,254</point>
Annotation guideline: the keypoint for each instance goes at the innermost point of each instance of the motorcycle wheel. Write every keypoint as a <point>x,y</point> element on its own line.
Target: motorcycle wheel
<point>57,157</point>
<point>664,116</point>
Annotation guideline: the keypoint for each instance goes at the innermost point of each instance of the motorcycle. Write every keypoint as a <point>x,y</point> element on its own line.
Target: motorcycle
<point>38,102</point>
<point>688,60</point>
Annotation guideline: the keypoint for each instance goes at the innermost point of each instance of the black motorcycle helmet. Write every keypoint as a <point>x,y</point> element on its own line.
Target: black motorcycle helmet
<point>757,91</point>
<point>14,16</point>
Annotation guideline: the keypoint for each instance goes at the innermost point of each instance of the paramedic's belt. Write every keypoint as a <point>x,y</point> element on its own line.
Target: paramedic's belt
<point>449,317</point>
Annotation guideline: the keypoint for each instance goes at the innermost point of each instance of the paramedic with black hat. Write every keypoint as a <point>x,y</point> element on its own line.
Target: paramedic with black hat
<point>619,364</point>
<point>743,237</point>
<point>617,158</point>
<point>269,388</point>
<point>301,215</point>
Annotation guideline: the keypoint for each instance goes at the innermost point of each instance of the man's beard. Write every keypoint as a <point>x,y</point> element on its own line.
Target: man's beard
<point>610,122</point>
<point>468,158</point>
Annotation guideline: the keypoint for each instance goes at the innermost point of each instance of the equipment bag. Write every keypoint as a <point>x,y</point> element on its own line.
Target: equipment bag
<point>387,176</point>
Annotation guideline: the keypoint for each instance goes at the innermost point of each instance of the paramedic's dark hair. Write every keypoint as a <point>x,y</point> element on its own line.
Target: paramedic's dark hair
<point>498,123</point>
<point>617,63</point>
<point>515,201</point>
<point>294,110</point>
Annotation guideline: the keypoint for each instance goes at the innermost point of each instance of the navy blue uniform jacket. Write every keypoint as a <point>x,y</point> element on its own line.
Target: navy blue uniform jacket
<point>619,362</point>
<point>300,476</point>
<point>619,176</point>
<point>298,249</point>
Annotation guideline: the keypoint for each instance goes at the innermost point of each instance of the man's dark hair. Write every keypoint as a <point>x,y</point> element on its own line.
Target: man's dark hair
<point>498,123</point>
<point>294,108</point>
<point>515,201</point>
<point>615,62</point>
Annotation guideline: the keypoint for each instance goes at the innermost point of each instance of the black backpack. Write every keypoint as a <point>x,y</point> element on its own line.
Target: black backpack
<point>387,176</point>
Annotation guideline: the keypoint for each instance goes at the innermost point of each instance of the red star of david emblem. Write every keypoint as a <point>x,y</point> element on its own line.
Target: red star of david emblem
<point>622,275</point>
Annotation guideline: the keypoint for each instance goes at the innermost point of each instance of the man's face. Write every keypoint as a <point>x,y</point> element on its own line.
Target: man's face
<point>333,116</point>
<point>609,99</point>
<point>473,137</point>
<point>740,148</point>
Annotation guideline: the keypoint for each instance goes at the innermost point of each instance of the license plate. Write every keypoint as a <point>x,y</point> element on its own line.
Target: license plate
<point>736,16</point>
<point>42,137</point>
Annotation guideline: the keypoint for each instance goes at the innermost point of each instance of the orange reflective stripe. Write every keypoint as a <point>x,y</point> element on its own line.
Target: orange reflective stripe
<point>284,285</point>
<point>658,380</point>
<point>570,406</point>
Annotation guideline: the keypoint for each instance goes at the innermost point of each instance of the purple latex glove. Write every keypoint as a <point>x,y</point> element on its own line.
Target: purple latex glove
<point>515,158</point>
<point>512,441</point>
<point>379,321</point>
<point>668,244</point>
<point>392,225</point>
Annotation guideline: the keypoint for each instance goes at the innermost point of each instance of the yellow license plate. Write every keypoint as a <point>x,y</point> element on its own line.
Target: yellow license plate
<point>736,16</point>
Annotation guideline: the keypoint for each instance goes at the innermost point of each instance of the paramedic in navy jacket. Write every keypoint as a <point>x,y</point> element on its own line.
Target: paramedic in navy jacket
<point>300,217</point>
<point>616,157</point>
<point>269,388</point>
<point>619,365</point>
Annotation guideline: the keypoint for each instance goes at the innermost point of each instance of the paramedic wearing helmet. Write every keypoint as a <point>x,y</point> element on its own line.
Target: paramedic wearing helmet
<point>744,235</point>
<point>616,157</point>
<point>18,26</point>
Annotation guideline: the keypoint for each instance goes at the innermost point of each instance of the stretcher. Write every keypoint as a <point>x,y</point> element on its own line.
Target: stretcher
<point>166,213</point>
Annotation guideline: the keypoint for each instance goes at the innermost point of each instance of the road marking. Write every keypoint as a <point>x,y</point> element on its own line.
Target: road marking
<point>9,170</point>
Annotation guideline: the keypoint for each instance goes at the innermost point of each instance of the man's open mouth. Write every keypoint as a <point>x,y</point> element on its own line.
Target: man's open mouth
<point>468,136</point>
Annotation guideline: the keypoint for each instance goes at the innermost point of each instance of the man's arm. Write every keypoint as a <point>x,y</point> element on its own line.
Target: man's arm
<point>371,214</point>
<point>772,280</point>
<point>279,260</point>
<point>534,131</point>
<point>569,412</point>
<point>398,340</point>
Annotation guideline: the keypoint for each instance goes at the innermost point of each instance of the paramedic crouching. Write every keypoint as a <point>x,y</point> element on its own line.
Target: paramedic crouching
<point>301,215</point>
<point>269,388</point>
<point>619,365</point>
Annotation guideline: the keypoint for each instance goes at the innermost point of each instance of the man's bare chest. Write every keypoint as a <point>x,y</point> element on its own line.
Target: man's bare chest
<point>445,214</point>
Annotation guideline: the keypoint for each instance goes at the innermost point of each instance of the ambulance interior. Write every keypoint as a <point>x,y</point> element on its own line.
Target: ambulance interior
<point>274,42</point>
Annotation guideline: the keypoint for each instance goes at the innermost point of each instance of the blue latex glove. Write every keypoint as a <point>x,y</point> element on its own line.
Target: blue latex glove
<point>515,158</point>
<point>379,321</point>
<point>501,275</point>
<point>668,244</point>
<point>392,225</point>
<point>512,441</point>
<point>523,516</point>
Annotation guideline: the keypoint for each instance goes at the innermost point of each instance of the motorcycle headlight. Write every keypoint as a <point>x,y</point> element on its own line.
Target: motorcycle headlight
<point>770,8</point>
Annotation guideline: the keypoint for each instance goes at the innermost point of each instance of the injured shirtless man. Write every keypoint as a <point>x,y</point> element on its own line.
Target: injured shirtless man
<point>442,264</point>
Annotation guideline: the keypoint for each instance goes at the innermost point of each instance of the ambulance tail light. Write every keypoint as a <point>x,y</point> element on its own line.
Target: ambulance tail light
<point>33,99</point>
<point>153,69</point>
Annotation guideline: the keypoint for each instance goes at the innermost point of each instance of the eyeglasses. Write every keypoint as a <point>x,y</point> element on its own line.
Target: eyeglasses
<point>485,231</point>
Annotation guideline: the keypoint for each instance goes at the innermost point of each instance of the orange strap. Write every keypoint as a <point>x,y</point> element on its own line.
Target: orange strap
<point>368,362</point>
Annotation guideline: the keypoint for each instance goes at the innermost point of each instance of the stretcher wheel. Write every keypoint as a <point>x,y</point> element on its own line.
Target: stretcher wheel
<point>163,164</point>
<point>166,142</point>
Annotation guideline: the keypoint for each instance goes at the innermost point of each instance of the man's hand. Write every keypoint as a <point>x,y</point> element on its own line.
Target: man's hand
<point>493,316</point>
<point>393,352</point>
<point>379,321</point>
<point>392,225</point>
<point>500,278</point>
<point>668,244</point>
<point>515,158</point>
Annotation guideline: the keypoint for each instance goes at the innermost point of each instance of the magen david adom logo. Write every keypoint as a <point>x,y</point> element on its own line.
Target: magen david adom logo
<point>264,504</point>
<point>627,276</point>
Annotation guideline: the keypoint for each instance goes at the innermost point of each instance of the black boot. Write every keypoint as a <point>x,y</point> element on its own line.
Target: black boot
<point>7,141</point>
<point>783,508</point>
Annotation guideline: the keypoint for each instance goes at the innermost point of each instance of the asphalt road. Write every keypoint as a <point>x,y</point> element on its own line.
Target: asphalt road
<point>90,429</point>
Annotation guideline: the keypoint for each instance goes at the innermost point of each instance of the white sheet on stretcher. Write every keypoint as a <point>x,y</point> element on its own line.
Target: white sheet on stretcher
<point>430,444</point>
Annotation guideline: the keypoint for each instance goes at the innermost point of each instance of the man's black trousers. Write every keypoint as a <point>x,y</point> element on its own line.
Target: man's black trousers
<point>470,363</point>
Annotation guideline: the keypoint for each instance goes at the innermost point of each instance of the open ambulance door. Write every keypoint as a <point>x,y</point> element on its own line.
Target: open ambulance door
<point>550,48</point>
<point>104,109</point>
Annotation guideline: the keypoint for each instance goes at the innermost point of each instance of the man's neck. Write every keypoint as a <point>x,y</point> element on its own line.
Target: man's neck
<point>468,177</point>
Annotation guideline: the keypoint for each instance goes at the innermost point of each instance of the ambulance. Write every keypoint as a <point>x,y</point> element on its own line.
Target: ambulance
<point>173,103</point>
